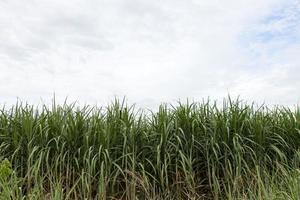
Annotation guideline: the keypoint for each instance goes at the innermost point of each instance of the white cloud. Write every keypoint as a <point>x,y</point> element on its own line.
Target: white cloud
<point>150,51</point>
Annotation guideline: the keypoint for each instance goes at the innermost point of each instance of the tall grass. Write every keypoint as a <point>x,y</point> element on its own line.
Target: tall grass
<point>187,151</point>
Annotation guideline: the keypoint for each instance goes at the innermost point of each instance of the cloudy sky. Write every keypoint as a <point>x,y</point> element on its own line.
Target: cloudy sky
<point>150,51</point>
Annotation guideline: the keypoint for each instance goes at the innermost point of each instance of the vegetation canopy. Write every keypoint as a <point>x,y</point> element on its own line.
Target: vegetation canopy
<point>184,151</point>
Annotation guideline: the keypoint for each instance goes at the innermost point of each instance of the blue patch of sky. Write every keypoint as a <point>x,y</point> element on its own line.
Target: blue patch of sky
<point>266,30</point>
<point>289,32</point>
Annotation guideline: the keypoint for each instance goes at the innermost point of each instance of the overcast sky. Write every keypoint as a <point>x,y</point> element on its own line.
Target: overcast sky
<point>150,51</point>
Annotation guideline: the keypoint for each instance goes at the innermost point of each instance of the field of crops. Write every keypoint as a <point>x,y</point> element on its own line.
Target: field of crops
<point>184,151</point>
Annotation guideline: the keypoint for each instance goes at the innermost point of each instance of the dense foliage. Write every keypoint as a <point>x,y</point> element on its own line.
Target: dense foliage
<point>188,151</point>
